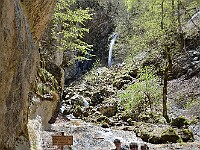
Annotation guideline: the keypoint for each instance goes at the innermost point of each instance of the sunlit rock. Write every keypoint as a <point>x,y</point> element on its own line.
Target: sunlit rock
<point>19,23</point>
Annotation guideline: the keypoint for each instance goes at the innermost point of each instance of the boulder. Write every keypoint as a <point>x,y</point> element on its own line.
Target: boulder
<point>170,135</point>
<point>159,134</point>
<point>150,117</point>
<point>97,98</point>
<point>124,79</point>
<point>180,122</point>
<point>105,125</point>
<point>79,100</point>
<point>66,110</point>
<point>109,109</point>
<point>186,135</point>
<point>77,111</point>
<point>102,118</point>
<point>119,83</point>
<point>43,110</point>
<point>193,25</point>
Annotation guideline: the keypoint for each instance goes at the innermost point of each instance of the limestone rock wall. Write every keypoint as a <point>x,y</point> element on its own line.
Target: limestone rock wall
<point>38,14</point>
<point>42,111</point>
<point>18,63</point>
<point>193,25</point>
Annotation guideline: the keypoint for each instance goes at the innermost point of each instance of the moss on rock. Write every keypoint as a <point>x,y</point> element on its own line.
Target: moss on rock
<point>170,135</point>
<point>180,122</point>
<point>186,135</point>
<point>151,117</point>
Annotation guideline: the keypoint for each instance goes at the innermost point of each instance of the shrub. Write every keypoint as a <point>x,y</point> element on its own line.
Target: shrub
<point>142,95</point>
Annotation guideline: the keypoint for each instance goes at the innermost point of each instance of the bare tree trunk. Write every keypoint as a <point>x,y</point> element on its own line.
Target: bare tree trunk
<point>165,95</point>
<point>166,70</point>
<point>181,36</point>
<point>162,19</point>
<point>166,76</point>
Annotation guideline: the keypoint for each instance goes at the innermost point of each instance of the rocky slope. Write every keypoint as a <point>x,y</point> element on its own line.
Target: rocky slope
<point>95,127</point>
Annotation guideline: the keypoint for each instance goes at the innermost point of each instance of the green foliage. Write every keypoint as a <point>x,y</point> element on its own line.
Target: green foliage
<point>158,30</point>
<point>192,101</point>
<point>68,26</point>
<point>144,94</point>
<point>145,25</point>
<point>46,83</point>
<point>154,27</point>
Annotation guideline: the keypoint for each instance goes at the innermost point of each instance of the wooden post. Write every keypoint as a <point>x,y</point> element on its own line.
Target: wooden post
<point>62,134</point>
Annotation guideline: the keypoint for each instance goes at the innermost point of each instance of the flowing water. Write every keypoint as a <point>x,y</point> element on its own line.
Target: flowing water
<point>114,37</point>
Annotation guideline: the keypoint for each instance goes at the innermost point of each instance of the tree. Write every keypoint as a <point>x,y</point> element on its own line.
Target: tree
<point>68,27</point>
<point>158,32</point>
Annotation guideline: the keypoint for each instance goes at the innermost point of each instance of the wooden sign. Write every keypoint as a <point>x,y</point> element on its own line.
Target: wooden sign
<point>62,140</point>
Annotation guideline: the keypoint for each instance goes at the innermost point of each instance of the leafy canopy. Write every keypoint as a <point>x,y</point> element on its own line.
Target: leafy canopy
<point>154,26</point>
<point>68,26</point>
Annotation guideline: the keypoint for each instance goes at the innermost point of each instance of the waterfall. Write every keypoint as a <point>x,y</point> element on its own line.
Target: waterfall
<point>114,36</point>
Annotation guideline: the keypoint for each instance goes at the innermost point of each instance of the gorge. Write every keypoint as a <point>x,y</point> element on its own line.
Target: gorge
<point>97,89</point>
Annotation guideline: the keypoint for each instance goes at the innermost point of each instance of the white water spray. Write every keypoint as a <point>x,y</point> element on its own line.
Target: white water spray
<point>114,36</point>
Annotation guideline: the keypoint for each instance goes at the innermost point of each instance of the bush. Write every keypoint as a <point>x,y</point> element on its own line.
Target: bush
<point>142,95</point>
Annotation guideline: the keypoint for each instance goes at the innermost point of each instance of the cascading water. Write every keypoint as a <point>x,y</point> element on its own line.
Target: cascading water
<point>114,37</point>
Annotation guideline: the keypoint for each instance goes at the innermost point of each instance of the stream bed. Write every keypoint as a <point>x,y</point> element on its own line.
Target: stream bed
<point>87,136</point>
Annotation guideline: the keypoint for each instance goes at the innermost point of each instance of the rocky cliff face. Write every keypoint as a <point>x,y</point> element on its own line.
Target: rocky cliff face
<point>19,23</point>
<point>38,14</point>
